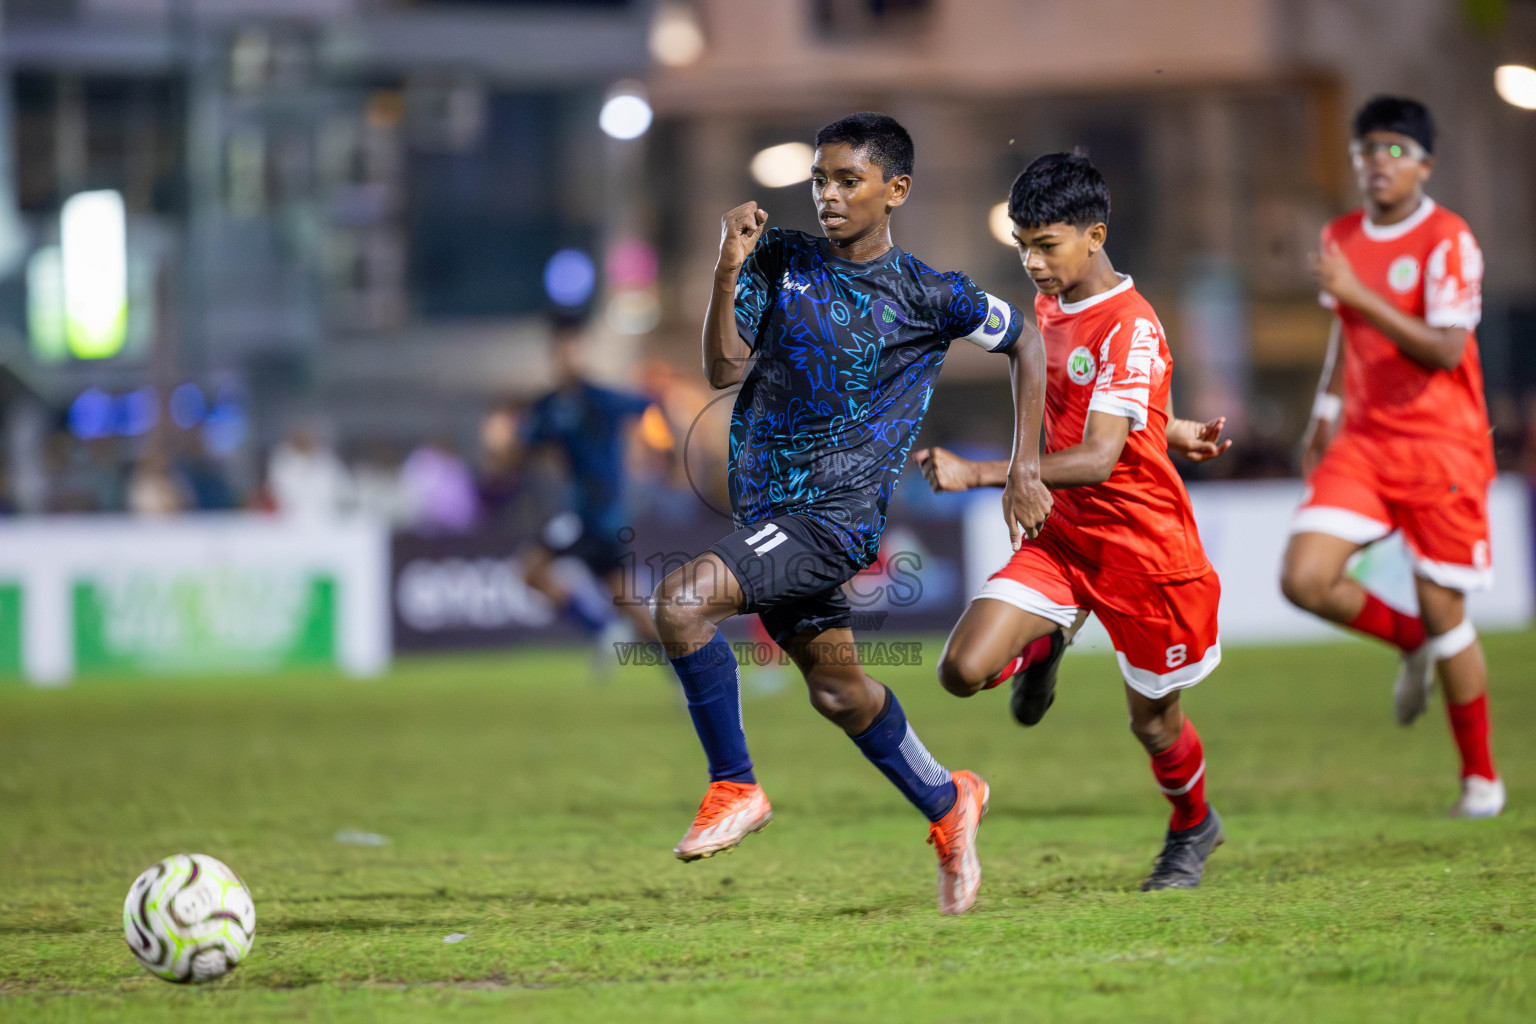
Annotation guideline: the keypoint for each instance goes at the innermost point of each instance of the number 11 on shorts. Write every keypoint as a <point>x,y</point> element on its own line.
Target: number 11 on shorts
<point>766,539</point>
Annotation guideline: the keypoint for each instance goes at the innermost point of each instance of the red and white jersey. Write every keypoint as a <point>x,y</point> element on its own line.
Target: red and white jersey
<point>1108,353</point>
<point>1428,266</point>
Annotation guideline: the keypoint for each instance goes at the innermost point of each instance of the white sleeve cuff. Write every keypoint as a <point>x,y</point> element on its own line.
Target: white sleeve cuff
<point>1136,412</point>
<point>1467,319</point>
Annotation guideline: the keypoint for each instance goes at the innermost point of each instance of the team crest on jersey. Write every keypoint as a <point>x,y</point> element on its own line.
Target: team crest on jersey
<point>1403,274</point>
<point>888,316</point>
<point>1080,365</point>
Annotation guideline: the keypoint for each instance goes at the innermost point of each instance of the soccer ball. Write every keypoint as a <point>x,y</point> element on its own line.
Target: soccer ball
<point>189,919</point>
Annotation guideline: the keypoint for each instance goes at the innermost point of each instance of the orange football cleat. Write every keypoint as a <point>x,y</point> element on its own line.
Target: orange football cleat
<point>731,811</point>
<point>953,838</point>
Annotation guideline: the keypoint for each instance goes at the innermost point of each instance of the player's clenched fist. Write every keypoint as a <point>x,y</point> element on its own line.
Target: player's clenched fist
<point>739,231</point>
<point>944,470</point>
<point>1336,276</point>
<point>1026,504</point>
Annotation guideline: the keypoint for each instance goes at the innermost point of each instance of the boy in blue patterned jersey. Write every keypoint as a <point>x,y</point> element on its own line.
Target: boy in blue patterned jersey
<point>845,335</point>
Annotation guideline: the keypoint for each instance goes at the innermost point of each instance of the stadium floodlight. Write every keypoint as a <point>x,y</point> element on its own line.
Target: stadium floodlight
<point>788,163</point>
<point>94,242</point>
<point>676,39</point>
<point>1001,224</point>
<point>626,114</point>
<point>1516,85</point>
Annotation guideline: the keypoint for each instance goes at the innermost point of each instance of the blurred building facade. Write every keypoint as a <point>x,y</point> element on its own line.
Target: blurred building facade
<point>347,208</point>
<point>1221,128</point>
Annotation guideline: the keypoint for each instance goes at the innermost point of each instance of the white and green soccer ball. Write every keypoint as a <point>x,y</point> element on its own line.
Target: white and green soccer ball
<point>189,918</point>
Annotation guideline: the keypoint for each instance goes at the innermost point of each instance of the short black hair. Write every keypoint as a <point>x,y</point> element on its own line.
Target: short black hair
<point>881,137</point>
<point>1397,114</point>
<point>1059,188</point>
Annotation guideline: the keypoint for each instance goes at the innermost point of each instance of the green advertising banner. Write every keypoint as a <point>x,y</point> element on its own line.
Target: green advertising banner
<point>228,619</point>
<point>10,630</point>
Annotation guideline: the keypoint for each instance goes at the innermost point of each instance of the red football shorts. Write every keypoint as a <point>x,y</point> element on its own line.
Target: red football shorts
<point>1363,489</point>
<point>1164,631</point>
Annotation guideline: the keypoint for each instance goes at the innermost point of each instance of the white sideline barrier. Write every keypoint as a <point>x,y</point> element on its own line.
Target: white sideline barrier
<point>1244,527</point>
<point>209,592</point>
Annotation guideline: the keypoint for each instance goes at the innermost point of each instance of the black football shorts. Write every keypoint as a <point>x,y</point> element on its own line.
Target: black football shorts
<point>791,571</point>
<point>567,536</point>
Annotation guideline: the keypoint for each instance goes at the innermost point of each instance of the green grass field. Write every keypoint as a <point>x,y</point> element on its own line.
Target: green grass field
<point>534,811</point>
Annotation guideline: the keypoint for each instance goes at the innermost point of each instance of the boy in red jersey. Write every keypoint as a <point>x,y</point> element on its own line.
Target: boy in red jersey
<point>1413,453</point>
<point>1121,539</point>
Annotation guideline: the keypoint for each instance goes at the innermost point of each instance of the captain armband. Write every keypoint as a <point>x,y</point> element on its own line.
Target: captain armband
<point>993,334</point>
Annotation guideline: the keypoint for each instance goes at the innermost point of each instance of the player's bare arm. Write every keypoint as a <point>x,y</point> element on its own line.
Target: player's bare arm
<point>725,354</point>
<point>1327,406</point>
<point>947,472</point>
<point>1026,501</point>
<point>1439,348</point>
<point>1093,459</point>
<point>1082,465</point>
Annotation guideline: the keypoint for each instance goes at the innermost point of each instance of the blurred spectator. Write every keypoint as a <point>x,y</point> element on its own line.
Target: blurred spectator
<point>1525,461</point>
<point>681,450</point>
<point>154,487</point>
<point>305,478</point>
<point>1509,428</point>
<point>205,478</point>
<point>1260,455</point>
<point>376,484</point>
<point>500,476</point>
<point>83,476</point>
<point>439,489</point>
<point>7,503</point>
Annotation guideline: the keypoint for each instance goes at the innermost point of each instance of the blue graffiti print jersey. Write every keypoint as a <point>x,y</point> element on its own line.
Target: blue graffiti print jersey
<point>847,355</point>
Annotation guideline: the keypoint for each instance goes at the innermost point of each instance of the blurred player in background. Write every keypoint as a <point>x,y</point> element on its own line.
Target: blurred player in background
<point>1121,540</point>
<point>589,426</point>
<point>1413,452</point>
<point>848,334</point>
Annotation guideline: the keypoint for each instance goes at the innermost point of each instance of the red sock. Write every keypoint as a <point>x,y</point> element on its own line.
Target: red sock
<point>1381,620</point>
<point>1469,726</point>
<point>1180,772</point>
<point>1035,650</point>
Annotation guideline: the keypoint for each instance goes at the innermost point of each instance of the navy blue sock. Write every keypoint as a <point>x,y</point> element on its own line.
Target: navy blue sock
<point>587,610</point>
<point>712,682</point>
<point>895,749</point>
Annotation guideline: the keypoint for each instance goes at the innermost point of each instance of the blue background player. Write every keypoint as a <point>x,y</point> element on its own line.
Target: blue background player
<point>848,333</point>
<point>590,427</point>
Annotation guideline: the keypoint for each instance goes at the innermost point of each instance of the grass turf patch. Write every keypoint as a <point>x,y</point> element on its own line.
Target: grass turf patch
<point>534,810</point>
